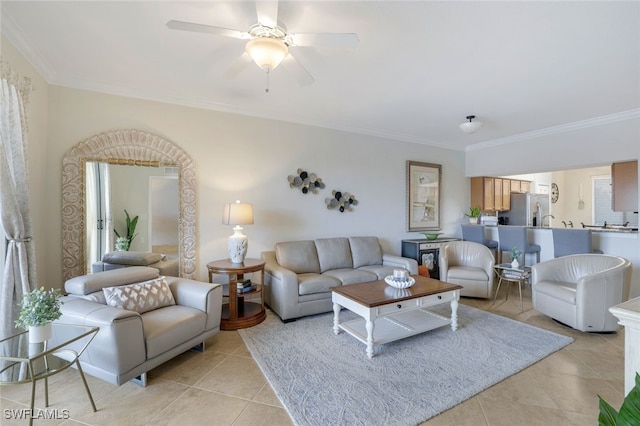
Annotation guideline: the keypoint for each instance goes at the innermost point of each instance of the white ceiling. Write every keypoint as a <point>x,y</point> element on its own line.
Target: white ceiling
<point>523,68</point>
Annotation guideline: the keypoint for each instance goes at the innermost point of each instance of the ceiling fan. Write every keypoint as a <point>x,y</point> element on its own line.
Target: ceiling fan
<point>268,42</point>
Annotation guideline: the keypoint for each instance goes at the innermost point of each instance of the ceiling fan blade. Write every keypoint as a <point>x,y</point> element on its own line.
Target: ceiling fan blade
<point>209,29</point>
<point>341,40</point>
<point>291,64</point>
<point>237,66</point>
<point>267,12</point>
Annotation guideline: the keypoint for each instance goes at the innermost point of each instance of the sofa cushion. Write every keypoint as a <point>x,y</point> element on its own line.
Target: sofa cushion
<point>380,271</point>
<point>333,253</point>
<point>167,328</point>
<point>351,276</point>
<point>466,273</point>
<point>140,297</point>
<point>132,258</point>
<point>365,251</point>
<point>315,283</point>
<point>298,256</point>
<point>87,284</point>
<point>560,290</point>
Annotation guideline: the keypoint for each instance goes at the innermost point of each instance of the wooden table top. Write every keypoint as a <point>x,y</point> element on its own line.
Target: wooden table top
<point>378,293</point>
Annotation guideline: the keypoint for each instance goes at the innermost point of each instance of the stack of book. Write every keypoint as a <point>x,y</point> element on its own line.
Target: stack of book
<point>245,286</point>
<point>510,274</point>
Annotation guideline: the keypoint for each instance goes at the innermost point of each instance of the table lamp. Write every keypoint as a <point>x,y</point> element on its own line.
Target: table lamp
<point>237,214</point>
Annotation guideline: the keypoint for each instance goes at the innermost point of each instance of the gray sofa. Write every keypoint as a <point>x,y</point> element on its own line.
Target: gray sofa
<point>299,274</point>
<point>129,343</point>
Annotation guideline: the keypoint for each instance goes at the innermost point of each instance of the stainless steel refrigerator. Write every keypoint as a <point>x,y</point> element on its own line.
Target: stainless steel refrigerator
<point>528,210</point>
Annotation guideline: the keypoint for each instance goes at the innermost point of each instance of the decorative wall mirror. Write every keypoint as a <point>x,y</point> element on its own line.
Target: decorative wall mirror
<point>124,147</point>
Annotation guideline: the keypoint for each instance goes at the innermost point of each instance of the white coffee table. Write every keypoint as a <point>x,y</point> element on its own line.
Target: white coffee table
<point>388,314</point>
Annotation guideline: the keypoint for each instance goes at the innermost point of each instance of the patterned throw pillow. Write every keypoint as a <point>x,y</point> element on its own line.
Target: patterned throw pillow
<point>140,297</point>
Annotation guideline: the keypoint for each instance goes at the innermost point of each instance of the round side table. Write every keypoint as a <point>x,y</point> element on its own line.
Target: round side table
<point>239,313</point>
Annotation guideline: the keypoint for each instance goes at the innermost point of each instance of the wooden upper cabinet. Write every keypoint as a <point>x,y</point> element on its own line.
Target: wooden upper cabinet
<point>506,194</point>
<point>492,193</point>
<point>525,186</point>
<point>497,194</point>
<point>624,185</point>
<point>482,193</point>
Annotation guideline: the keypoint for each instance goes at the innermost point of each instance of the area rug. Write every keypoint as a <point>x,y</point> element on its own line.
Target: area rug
<point>327,379</point>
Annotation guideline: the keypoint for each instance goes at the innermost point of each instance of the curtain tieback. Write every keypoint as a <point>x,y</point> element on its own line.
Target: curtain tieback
<point>20,240</point>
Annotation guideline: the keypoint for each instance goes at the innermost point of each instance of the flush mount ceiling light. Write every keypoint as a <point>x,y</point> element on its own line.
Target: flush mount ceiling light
<point>470,126</point>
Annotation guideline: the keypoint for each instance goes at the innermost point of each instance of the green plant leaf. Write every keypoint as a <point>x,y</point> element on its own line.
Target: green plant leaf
<point>629,414</point>
<point>608,414</point>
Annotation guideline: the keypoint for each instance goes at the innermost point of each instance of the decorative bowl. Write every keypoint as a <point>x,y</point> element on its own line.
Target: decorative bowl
<point>399,282</point>
<point>431,235</point>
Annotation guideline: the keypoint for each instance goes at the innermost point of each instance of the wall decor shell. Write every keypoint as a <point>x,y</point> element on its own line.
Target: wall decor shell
<point>341,201</point>
<point>305,181</point>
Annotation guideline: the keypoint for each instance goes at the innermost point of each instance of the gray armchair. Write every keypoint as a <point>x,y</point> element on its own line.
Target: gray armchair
<point>578,290</point>
<point>470,265</point>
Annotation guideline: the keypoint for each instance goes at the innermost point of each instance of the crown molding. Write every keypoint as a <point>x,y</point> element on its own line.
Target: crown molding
<point>12,31</point>
<point>563,128</point>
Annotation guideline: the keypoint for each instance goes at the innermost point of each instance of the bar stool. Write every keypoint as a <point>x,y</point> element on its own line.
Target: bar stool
<point>572,241</point>
<point>476,233</point>
<point>516,236</point>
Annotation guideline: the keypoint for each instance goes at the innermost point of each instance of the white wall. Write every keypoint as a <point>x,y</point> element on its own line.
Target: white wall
<point>249,159</point>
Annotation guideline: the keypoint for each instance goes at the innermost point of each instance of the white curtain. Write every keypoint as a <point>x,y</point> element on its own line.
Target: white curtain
<point>19,274</point>
<point>98,208</point>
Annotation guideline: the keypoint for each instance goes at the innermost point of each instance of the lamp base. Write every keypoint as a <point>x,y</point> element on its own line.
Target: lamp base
<point>237,245</point>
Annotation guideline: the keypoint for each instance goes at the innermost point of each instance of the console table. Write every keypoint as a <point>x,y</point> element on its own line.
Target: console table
<point>426,252</point>
<point>239,313</point>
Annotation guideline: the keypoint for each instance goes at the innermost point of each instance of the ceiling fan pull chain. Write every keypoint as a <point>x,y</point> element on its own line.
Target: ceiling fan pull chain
<point>267,89</point>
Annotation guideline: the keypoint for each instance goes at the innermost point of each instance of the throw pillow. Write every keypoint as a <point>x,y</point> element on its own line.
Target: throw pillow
<point>140,297</point>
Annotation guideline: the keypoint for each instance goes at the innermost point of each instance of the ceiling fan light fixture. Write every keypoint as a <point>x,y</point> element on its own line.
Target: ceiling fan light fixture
<point>470,126</point>
<point>267,52</point>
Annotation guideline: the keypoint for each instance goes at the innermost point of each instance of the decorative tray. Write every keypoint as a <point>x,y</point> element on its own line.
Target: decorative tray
<point>399,282</point>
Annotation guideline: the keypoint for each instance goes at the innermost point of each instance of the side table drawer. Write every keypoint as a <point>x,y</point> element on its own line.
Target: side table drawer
<point>435,299</point>
<point>405,305</point>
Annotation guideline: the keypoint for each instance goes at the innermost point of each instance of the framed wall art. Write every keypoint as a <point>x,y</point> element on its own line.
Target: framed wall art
<point>423,196</point>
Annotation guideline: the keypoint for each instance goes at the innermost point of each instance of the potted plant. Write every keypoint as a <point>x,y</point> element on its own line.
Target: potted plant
<point>474,214</point>
<point>124,242</point>
<point>37,309</point>
<point>515,255</point>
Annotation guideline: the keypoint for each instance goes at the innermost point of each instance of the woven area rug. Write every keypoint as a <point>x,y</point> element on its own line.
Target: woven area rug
<point>327,379</point>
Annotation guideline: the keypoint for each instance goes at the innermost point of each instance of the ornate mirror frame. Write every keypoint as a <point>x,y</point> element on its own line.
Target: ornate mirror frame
<point>133,147</point>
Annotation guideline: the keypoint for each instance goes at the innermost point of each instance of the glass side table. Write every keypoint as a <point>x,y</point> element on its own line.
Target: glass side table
<point>506,272</point>
<point>24,362</point>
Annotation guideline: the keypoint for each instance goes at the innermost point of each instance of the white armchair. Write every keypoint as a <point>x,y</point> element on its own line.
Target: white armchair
<point>470,265</point>
<point>578,290</point>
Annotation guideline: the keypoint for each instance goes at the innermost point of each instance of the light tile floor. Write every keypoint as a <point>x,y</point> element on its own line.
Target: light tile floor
<point>224,386</point>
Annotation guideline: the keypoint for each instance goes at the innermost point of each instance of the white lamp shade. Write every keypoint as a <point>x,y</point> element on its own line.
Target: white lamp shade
<point>267,52</point>
<point>237,214</point>
<point>470,126</point>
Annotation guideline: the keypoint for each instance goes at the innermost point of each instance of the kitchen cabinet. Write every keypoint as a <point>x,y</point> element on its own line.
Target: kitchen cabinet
<point>520,186</point>
<point>493,193</point>
<point>483,193</point>
<point>506,194</point>
<point>624,185</point>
